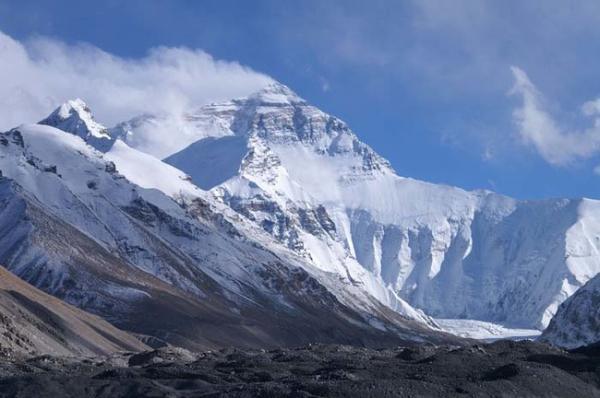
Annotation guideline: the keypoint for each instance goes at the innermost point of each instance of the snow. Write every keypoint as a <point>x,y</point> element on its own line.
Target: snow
<point>212,161</point>
<point>75,117</point>
<point>480,330</point>
<point>388,198</point>
<point>79,109</point>
<point>275,94</point>
<point>149,172</point>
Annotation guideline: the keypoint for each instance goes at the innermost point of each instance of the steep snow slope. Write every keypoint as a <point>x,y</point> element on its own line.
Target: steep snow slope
<point>147,171</point>
<point>179,270</point>
<point>34,323</point>
<point>306,179</point>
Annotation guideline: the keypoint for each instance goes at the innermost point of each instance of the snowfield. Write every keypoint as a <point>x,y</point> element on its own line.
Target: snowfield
<point>485,330</point>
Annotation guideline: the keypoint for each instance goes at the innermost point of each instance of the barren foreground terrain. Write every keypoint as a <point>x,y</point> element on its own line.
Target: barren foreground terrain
<point>499,369</point>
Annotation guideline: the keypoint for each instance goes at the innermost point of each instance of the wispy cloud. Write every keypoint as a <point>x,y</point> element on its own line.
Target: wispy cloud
<point>558,145</point>
<point>39,74</point>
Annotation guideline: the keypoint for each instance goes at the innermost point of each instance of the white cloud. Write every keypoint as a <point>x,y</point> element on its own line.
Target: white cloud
<point>591,108</point>
<point>556,144</point>
<point>39,74</point>
<point>487,154</point>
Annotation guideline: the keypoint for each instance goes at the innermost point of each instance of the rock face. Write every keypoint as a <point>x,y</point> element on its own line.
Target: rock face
<point>506,369</point>
<point>306,179</point>
<point>577,321</point>
<point>34,323</point>
<point>182,270</point>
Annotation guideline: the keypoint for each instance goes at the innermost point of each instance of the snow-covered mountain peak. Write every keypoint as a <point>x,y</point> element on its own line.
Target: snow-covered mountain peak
<point>307,180</point>
<point>75,117</point>
<point>77,105</point>
<point>276,94</point>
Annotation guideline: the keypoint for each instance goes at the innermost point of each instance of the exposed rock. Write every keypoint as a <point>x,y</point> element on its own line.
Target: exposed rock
<point>577,321</point>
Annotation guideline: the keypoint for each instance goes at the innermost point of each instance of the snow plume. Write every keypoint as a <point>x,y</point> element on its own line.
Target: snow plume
<point>39,74</point>
<point>557,145</point>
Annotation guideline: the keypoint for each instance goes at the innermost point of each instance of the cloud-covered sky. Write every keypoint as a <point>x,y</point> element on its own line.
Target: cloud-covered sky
<point>41,73</point>
<point>558,146</point>
<point>475,93</point>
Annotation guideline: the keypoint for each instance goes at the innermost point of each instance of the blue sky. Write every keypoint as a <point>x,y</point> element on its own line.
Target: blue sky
<point>428,84</point>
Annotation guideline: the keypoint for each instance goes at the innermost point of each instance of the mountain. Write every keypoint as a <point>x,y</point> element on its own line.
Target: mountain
<point>75,116</point>
<point>307,180</point>
<point>181,268</point>
<point>32,322</point>
<point>577,321</point>
<point>297,184</point>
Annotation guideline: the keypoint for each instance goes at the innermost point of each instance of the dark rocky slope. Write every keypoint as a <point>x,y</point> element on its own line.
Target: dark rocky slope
<point>577,321</point>
<point>32,322</point>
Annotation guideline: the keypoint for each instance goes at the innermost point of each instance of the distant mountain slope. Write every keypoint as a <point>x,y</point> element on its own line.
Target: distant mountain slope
<point>32,322</point>
<point>180,270</point>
